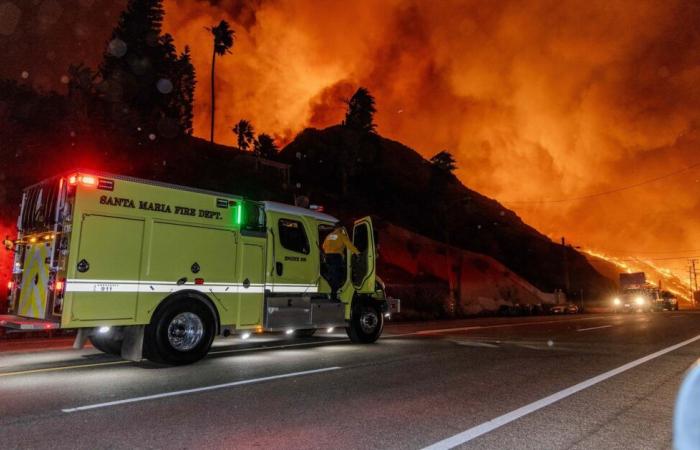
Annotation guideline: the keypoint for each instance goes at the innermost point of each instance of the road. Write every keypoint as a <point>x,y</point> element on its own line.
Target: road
<point>422,384</point>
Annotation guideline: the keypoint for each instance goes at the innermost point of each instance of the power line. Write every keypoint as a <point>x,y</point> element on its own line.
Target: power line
<point>632,252</point>
<point>611,191</point>
<point>651,259</point>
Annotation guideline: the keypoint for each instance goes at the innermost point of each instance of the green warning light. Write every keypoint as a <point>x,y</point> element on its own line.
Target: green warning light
<point>239,213</point>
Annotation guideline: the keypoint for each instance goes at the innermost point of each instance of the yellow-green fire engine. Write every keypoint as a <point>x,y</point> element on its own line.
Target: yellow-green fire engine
<point>147,269</point>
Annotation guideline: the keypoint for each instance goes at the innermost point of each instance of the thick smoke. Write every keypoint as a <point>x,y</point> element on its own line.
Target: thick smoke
<point>538,100</point>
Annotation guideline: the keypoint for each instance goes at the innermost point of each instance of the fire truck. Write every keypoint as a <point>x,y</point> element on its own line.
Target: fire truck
<point>147,269</point>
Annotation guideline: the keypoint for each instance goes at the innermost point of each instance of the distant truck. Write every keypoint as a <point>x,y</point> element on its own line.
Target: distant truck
<point>142,268</point>
<point>636,294</point>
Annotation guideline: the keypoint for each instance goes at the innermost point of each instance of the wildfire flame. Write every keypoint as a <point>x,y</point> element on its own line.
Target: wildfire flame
<point>537,102</point>
<point>666,276</point>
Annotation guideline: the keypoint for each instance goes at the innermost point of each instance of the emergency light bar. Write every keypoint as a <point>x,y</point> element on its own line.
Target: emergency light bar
<point>85,180</point>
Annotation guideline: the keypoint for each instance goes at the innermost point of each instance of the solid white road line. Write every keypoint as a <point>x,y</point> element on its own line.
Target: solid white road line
<point>474,432</point>
<point>484,327</point>
<point>196,390</point>
<point>274,347</point>
<point>594,328</point>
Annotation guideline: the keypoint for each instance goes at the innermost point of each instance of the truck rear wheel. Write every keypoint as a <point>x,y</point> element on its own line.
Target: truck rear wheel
<point>109,342</point>
<point>366,324</point>
<point>181,332</point>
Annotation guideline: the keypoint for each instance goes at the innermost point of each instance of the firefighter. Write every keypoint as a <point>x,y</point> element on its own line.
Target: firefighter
<point>334,250</point>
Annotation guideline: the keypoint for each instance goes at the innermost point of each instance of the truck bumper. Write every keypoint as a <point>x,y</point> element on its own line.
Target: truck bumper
<point>393,305</point>
<point>26,324</point>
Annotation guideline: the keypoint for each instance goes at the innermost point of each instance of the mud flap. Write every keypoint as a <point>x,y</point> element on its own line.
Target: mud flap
<point>132,346</point>
<point>81,337</point>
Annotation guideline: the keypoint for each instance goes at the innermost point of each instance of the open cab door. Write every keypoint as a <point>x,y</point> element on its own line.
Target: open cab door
<point>363,265</point>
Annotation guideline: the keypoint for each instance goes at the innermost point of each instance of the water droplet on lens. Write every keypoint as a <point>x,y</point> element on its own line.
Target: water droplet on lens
<point>164,86</point>
<point>117,47</point>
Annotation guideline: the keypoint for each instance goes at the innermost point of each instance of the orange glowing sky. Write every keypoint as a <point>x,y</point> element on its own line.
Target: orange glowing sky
<point>538,100</point>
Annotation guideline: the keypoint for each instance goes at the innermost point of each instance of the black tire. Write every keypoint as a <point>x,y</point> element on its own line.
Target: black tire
<point>304,333</point>
<point>180,332</point>
<point>366,324</point>
<point>110,342</point>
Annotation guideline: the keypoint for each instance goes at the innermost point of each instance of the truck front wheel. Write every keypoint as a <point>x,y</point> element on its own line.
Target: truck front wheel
<point>181,332</point>
<point>366,324</point>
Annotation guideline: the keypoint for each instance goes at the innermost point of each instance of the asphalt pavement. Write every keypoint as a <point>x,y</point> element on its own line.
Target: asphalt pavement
<point>540,382</point>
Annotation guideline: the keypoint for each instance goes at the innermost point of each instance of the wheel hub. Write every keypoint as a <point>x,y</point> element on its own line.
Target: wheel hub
<point>185,331</point>
<point>369,321</point>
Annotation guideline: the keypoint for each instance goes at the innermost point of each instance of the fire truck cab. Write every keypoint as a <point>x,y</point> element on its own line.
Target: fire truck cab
<point>147,269</point>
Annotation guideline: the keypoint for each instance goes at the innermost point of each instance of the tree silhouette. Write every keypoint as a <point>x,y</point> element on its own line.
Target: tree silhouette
<point>444,161</point>
<point>223,41</point>
<point>81,94</point>
<point>360,113</point>
<point>186,84</point>
<point>265,146</point>
<point>246,135</point>
<point>141,73</point>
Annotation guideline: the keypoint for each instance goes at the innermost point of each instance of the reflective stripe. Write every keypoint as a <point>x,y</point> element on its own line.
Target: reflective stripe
<point>292,288</point>
<point>33,295</point>
<point>79,285</point>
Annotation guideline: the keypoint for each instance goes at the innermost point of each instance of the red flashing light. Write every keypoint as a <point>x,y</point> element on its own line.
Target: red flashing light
<point>88,180</point>
<point>85,180</point>
<point>58,286</point>
<point>10,285</point>
<point>199,281</point>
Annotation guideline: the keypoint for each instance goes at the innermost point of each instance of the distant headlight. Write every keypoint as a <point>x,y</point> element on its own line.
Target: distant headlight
<point>639,300</point>
<point>616,301</point>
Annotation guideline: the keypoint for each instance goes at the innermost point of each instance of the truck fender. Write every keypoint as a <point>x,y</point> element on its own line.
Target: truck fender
<point>362,299</point>
<point>196,295</point>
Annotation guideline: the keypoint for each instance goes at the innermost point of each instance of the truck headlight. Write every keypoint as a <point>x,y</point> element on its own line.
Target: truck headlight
<point>639,301</point>
<point>616,301</point>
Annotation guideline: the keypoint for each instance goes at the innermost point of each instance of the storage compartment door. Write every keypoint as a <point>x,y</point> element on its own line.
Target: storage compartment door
<point>107,268</point>
<point>252,276</point>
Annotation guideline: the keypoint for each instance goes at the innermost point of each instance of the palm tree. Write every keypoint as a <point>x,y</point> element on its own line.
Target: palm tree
<point>265,146</point>
<point>246,134</point>
<point>223,41</point>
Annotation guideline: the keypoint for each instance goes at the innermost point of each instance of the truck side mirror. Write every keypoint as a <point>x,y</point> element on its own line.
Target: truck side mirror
<point>8,244</point>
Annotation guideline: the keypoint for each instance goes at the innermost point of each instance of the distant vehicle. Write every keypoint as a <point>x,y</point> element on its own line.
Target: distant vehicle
<point>526,309</point>
<point>569,308</point>
<point>142,268</point>
<point>668,301</point>
<point>636,294</point>
<point>631,300</point>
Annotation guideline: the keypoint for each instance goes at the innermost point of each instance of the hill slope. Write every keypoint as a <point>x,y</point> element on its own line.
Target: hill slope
<point>355,174</point>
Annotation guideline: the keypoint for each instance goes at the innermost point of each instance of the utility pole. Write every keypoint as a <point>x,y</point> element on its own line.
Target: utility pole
<point>567,280</point>
<point>695,278</point>
<point>690,284</point>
